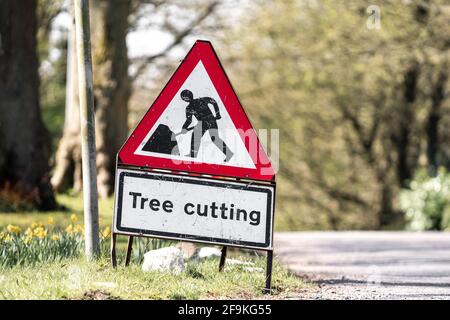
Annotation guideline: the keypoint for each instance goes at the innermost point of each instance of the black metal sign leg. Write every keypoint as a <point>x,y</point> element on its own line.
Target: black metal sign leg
<point>113,250</point>
<point>129,249</point>
<point>223,257</point>
<point>268,287</point>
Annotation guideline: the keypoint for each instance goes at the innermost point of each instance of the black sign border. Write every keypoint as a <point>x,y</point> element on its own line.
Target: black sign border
<point>267,245</point>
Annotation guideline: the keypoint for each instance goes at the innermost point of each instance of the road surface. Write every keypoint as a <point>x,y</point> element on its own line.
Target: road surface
<point>369,265</point>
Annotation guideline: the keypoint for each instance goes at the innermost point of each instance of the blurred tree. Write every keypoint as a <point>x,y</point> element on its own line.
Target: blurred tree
<point>52,55</point>
<point>111,22</point>
<point>24,141</point>
<point>360,109</point>
<point>112,85</point>
<point>47,11</point>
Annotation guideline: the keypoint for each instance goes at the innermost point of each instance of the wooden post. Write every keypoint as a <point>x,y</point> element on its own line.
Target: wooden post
<point>85,84</point>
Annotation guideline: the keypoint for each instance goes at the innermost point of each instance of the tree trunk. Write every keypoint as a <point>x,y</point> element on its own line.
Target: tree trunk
<point>109,27</point>
<point>111,84</point>
<point>433,120</point>
<point>24,141</point>
<point>68,155</point>
<point>403,137</point>
<point>386,214</point>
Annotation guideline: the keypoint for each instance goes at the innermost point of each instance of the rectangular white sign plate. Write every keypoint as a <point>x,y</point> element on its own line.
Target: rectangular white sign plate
<point>194,209</point>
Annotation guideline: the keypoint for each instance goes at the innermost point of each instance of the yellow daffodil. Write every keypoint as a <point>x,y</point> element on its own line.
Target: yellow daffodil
<point>40,232</point>
<point>51,221</point>
<point>73,218</point>
<point>35,225</point>
<point>13,229</point>
<point>8,238</point>
<point>69,229</point>
<point>55,237</point>
<point>78,228</point>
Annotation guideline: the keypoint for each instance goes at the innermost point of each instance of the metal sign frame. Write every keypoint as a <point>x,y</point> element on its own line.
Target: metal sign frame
<point>263,174</point>
<point>185,176</point>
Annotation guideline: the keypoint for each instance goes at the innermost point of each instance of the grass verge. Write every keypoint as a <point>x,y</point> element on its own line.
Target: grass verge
<point>78,279</point>
<point>73,204</point>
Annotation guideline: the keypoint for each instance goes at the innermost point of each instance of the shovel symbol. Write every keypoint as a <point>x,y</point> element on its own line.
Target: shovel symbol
<point>163,141</point>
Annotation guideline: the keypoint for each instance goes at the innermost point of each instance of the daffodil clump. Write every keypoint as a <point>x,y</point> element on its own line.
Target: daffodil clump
<point>42,242</point>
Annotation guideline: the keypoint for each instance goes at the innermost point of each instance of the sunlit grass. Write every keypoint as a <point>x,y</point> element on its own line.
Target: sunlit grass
<point>73,205</point>
<point>82,280</point>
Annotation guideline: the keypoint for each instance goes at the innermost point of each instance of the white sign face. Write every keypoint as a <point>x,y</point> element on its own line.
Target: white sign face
<point>194,209</point>
<point>212,134</point>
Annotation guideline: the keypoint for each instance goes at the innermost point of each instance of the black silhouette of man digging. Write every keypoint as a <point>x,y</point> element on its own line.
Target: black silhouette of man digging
<point>207,122</point>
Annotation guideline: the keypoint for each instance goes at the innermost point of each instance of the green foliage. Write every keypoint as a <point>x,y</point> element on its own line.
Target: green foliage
<point>41,243</point>
<point>355,106</point>
<point>17,250</point>
<point>53,104</point>
<point>53,92</point>
<point>59,238</point>
<point>53,58</point>
<point>427,202</point>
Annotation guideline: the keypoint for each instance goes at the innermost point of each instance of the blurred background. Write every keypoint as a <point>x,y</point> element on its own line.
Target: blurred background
<point>358,90</point>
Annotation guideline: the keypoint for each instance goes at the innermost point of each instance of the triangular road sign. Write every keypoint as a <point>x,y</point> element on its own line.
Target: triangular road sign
<point>198,125</point>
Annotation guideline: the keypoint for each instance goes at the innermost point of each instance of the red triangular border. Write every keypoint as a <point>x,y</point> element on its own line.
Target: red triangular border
<point>202,50</point>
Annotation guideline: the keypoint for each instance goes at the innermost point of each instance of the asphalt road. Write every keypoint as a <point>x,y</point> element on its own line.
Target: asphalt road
<point>369,265</point>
